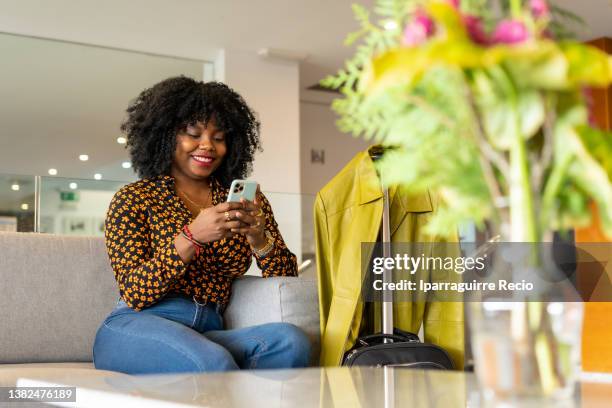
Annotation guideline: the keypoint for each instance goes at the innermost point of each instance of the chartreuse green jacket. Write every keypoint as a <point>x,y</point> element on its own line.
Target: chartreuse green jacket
<point>347,212</point>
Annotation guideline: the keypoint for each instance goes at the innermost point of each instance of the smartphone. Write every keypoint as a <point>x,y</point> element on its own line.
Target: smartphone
<point>242,189</point>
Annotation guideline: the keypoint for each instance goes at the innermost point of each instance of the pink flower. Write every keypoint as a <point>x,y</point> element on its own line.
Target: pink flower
<point>539,8</point>
<point>510,32</point>
<point>474,27</point>
<point>418,30</point>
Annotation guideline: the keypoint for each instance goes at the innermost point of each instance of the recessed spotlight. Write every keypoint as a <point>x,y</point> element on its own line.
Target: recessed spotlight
<point>83,157</point>
<point>121,140</point>
<point>15,187</point>
<point>98,176</point>
<point>25,206</point>
<point>73,186</point>
<point>53,172</point>
<point>390,25</point>
<point>126,165</point>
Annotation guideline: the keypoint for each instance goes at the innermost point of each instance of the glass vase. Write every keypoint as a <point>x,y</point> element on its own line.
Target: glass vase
<point>527,344</point>
<point>513,360</point>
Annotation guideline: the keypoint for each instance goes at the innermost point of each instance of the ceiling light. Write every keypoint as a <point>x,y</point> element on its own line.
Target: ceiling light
<point>390,25</point>
<point>121,140</point>
<point>15,187</point>
<point>73,186</point>
<point>83,157</point>
<point>98,176</point>
<point>25,206</point>
<point>53,172</point>
<point>126,165</point>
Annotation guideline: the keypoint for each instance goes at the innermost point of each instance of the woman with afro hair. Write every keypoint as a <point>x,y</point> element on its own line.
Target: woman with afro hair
<point>175,244</point>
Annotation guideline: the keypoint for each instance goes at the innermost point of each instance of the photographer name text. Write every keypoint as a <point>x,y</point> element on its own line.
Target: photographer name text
<point>461,287</point>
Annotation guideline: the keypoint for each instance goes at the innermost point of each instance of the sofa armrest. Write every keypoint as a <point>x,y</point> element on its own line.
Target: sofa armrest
<point>293,300</point>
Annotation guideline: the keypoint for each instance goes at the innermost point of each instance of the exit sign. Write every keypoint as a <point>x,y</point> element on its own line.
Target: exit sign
<point>69,196</point>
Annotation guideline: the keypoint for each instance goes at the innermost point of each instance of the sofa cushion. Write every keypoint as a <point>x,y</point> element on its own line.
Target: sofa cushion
<point>55,292</point>
<point>283,299</point>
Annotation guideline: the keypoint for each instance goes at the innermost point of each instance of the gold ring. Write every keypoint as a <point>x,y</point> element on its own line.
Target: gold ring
<point>260,213</point>
<point>227,216</point>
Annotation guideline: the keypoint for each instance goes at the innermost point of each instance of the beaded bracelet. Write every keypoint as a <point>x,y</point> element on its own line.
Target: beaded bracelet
<point>261,253</point>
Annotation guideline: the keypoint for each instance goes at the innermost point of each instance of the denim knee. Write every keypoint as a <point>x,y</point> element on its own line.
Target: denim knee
<point>219,359</point>
<point>135,352</point>
<point>298,347</point>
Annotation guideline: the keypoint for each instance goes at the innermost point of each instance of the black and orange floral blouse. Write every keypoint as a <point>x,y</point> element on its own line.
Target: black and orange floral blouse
<point>142,221</point>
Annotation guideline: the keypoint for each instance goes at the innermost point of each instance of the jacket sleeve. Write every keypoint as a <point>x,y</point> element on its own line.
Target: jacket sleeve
<point>280,261</point>
<point>143,273</point>
<point>324,273</point>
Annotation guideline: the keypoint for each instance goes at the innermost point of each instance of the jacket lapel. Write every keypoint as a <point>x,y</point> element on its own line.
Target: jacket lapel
<point>401,203</point>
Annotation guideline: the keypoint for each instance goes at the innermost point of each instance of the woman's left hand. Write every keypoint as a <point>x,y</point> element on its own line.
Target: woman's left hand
<point>254,217</point>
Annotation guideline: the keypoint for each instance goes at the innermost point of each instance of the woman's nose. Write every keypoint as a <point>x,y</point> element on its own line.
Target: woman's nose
<point>206,143</point>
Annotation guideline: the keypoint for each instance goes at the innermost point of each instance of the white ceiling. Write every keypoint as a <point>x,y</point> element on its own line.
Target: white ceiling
<point>193,28</point>
<point>197,27</point>
<point>184,28</point>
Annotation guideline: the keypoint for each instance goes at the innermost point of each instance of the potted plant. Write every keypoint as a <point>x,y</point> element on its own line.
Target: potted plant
<point>485,101</point>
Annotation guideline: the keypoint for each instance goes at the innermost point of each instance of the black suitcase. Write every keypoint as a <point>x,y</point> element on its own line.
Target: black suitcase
<point>403,350</point>
<point>394,347</point>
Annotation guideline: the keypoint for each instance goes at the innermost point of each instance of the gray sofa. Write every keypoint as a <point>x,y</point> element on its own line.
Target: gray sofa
<point>56,290</point>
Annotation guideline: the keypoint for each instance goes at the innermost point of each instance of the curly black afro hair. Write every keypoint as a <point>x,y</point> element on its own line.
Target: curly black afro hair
<point>160,112</point>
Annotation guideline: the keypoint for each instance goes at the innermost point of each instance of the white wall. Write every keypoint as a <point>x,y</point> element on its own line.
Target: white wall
<point>271,88</point>
<point>319,131</point>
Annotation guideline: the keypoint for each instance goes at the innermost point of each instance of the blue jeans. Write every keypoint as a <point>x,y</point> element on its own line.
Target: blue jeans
<point>178,334</point>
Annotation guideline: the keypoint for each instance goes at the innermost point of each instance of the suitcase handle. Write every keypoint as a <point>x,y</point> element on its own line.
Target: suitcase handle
<point>398,336</point>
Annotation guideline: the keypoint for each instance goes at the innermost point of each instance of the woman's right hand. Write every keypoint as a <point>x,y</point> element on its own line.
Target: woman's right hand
<point>212,223</point>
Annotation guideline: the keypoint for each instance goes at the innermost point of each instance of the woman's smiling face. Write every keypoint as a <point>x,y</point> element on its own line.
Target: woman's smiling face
<point>200,149</point>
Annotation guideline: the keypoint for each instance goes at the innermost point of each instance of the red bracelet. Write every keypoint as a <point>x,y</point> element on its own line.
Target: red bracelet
<point>197,246</point>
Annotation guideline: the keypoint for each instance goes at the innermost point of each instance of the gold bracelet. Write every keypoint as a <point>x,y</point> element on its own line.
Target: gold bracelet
<point>260,253</point>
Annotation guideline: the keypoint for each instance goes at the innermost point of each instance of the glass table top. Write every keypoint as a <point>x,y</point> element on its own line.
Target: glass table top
<point>312,387</point>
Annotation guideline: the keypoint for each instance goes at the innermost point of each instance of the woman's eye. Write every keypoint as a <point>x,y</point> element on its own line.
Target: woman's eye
<point>193,134</point>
